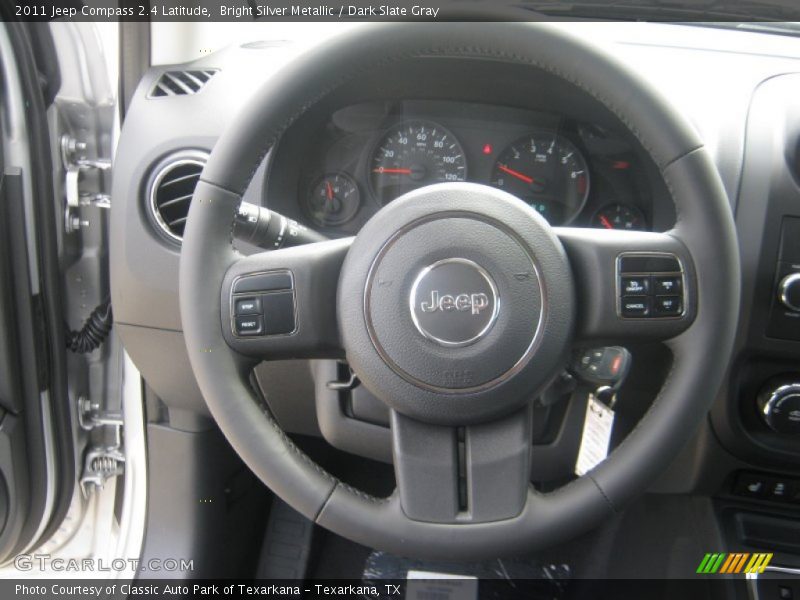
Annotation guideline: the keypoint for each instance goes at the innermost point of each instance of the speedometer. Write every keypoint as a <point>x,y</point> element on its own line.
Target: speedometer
<point>413,154</point>
<point>548,172</point>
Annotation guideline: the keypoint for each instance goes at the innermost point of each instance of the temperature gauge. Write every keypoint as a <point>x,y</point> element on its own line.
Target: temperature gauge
<point>333,200</point>
<point>619,216</point>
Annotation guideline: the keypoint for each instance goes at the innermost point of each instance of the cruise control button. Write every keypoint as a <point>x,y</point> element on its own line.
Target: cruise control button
<point>635,307</point>
<point>279,313</point>
<point>648,264</point>
<point>668,306</point>
<point>247,306</point>
<point>263,282</point>
<point>667,286</point>
<point>249,325</point>
<point>635,286</point>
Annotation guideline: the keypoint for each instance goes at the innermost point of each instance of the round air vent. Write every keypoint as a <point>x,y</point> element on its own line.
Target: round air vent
<point>170,190</point>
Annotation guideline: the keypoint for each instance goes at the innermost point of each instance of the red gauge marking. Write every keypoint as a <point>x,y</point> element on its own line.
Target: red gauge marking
<point>615,364</point>
<point>383,170</point>
<point>620,164</point>
<point>605,222</point>
<point>517,174</point>
<point>582,184</point>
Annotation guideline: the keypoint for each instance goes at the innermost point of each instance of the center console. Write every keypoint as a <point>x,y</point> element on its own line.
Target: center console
<point>757,416</point>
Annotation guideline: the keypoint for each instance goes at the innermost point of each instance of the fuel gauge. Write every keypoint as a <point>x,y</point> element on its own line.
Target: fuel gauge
<point>333,200</point>
<point>619,216</point>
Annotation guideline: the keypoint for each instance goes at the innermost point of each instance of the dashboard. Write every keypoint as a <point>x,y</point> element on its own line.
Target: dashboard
<point>366,155</point>
<point>384,135</point>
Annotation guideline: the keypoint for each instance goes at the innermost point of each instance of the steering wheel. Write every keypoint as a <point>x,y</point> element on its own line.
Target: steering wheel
<point>456,305</point>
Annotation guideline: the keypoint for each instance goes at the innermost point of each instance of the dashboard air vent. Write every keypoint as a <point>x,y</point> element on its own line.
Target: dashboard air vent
<point>171,188</point>
<point>181,83</point>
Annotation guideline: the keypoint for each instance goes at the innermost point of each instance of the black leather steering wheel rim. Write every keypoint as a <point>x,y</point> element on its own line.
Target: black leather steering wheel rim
<point>701,350</point>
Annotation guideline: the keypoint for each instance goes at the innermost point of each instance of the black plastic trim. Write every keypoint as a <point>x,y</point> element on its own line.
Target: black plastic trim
<point>46,218</point>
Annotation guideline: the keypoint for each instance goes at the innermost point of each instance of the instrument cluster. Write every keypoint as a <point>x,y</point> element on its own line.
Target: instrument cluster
<point>369,154</point>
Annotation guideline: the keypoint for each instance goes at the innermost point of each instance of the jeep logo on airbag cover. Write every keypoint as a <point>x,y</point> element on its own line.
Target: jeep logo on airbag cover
<point>454,302</point>
<point>471,302</point>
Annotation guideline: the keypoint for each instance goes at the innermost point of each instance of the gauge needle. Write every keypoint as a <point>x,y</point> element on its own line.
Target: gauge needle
<point>517,174</point>
<point>605,222</point>
<point>329,190</point>
<point>394,171</point>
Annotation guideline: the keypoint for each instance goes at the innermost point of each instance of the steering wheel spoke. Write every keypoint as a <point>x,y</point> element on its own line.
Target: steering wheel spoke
<point>282,303</point>
<point>632,285</point>
<point>473,474</point>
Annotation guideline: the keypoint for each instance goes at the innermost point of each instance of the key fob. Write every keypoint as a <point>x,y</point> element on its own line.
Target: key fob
<point>606,366</point>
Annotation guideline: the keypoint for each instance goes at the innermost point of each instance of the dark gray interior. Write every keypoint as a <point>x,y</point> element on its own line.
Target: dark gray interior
<point>749,127</point>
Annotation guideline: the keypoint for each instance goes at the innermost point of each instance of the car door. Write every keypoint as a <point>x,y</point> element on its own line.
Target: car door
<point>37,460</point>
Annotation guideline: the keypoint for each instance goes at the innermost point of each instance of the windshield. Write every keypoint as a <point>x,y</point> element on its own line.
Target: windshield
<point>676,10</point>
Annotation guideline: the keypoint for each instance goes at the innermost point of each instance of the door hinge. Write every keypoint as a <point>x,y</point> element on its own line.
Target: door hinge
<point>100,465</point>
<point>90,415</point>
<point>75,163</point>
<point>102,461</point>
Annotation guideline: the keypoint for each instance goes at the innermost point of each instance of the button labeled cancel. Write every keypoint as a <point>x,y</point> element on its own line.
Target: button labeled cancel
<point>635,307</point>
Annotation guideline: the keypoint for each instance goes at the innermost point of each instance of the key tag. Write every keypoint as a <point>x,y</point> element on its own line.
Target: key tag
<point>597,427</point>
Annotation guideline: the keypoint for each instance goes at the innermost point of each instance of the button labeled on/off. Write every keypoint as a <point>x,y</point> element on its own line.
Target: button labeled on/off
<point>635,286</point>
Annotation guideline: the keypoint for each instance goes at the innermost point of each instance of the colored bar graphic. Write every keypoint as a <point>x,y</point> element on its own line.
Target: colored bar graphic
<point>740,563</point>
<point>730,562</point>
<point>710,563</point>
<point>723,563</point>
<point>758,563</point>
<point>704,564</point>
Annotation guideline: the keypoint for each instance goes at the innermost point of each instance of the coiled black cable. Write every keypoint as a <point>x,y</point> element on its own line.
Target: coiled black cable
<point>94,330</point>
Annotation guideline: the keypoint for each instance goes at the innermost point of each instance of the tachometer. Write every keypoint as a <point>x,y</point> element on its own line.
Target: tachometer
<point>548,172</point>
<point>413,154</point>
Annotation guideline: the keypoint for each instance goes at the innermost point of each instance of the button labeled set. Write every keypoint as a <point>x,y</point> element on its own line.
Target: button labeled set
<point>263,304</point>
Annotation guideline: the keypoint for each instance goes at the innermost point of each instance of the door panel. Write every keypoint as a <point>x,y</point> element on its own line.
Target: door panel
<point>37,463</point>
